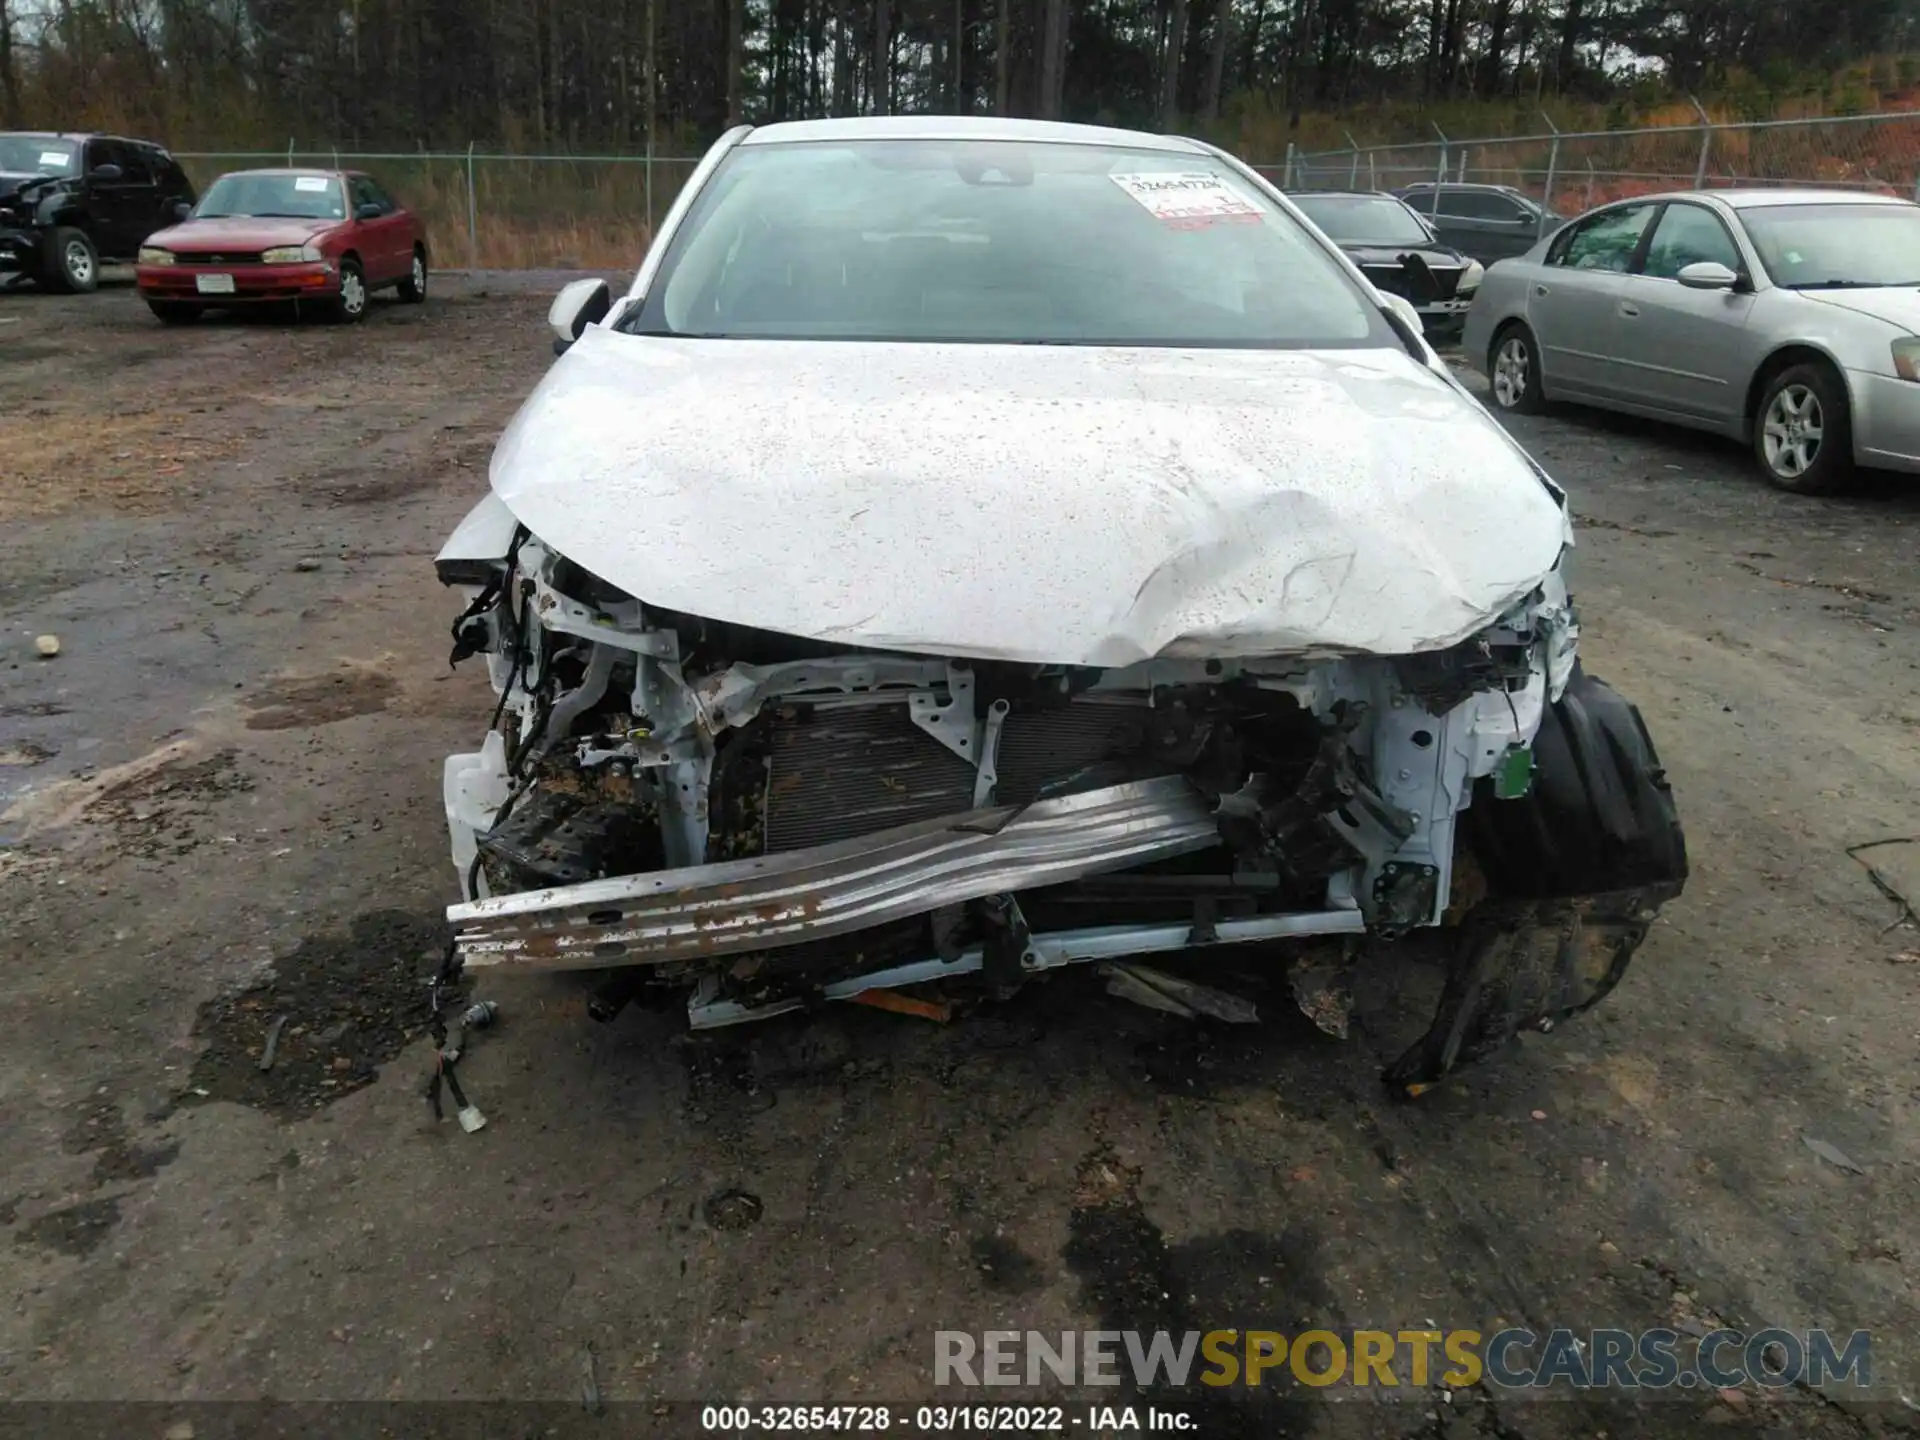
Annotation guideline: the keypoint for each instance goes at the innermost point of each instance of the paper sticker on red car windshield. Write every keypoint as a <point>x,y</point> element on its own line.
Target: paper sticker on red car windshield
<point>1189,201</point>
<point>311,182</point>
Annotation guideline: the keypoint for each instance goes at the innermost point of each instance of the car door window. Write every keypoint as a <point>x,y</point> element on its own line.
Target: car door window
<point>379,196</point>
<point>107,152</point>
<point>1421,200</point>
<point>1606,241</point>
<point>1480,205</point>
<point>1688,235</point>
<point>135,165</point>
<point>365,192</point>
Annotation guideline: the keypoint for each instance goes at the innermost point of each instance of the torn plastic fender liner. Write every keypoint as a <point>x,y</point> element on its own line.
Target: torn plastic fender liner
<point>1600,815</point>
<point>1527,965</point>
<point>1578,868</point>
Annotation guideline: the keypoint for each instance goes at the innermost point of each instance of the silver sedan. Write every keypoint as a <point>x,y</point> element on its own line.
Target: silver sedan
<point>1786,318</point>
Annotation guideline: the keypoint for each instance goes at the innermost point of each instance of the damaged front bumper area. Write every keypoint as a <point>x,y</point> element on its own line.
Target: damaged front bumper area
<point>767,822</point>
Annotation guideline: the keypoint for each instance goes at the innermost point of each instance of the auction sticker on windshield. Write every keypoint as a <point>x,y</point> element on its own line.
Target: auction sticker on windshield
<point>1189,201</point>
<point>310,182</point>
<point>53,157</point>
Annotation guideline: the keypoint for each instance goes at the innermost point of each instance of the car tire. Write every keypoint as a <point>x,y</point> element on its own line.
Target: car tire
<point>175,312</point>
<point>73,264</point>
<point>350,306</point>
<point>413,289</point>
<point>1513,371</point>
<point>1803,430</point>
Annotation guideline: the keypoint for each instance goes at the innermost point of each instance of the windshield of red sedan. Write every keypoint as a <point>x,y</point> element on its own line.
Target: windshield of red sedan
<point>1836,247</point>
<point>1019,242</point>
<point>261,195</point>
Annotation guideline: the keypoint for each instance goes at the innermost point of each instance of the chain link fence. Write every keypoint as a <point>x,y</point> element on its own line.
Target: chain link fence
<point>1571,171</point>
<point>504,212</point>
<point>597,212</point>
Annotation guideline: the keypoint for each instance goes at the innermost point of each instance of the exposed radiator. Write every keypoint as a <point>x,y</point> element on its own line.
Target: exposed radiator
<point>837,772</point>
<point>1054,744</point>
<point>833,773</point>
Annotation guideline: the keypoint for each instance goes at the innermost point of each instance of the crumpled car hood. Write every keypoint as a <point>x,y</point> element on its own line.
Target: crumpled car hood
<point>1050,504</point>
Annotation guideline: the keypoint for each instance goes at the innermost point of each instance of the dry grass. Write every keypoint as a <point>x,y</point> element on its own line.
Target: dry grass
<point>132,463</point>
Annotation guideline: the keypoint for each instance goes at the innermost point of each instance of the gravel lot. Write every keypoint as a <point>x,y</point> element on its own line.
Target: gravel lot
<point>230,774</point>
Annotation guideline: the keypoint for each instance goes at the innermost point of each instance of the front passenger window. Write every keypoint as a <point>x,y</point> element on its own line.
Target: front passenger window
<point>1606,241</point>
<point>1687,235</point>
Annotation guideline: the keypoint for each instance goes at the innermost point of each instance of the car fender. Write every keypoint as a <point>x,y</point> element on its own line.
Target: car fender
<point>1841,342</point>
<point>1502,296</point>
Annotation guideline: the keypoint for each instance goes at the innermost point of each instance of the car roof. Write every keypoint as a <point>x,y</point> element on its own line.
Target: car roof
<point>1748,199</point>
<point>311,170</point>
<point>1346,194</point>
<point>967,127</point>
<point>1745,199</point>
<point>78,137</point>
<point>1462,185</point>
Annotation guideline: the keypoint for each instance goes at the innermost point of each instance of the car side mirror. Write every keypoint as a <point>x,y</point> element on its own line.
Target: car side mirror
<point>579,304</point>
<point>367,211</point>
<point>1707,275</point>
<point>182,210</point>
<point>105,172</point>
<point>1403,307</point>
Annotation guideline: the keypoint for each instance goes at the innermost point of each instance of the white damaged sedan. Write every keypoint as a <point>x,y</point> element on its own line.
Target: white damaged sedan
<point>973,547</point>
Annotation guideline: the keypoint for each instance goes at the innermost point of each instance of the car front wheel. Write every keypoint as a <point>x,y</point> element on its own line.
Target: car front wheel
<point>1803,434</point>
<point>351,304</point>
<point>413,289</point>
<point>73,265</point>
<point>1513,367</point>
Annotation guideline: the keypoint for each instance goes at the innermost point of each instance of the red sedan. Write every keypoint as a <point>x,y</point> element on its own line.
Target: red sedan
<point>323,237</point>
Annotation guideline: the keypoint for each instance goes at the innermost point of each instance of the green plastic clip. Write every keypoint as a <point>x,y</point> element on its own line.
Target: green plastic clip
<point>1513,777</point>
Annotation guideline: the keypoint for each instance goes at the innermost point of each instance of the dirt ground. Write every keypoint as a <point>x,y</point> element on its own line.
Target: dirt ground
<point>220,804</point>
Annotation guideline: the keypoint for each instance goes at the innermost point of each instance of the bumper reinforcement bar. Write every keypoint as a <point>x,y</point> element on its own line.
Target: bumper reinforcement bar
<point>708,910</point>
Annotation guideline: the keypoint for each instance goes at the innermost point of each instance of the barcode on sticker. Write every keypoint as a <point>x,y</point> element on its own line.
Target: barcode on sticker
<point>1188,199</point>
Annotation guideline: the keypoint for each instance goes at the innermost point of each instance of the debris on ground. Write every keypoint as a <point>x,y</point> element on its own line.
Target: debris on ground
<point>47,645</point>
<point>273,1043</point>
<point>357,996</point>
<point>1157,990</point>
<point>1833,1156</point>
<point>590,1384</point>
<point>1907,915</point>
<point>939,1011</point>
<point>1324,994</point>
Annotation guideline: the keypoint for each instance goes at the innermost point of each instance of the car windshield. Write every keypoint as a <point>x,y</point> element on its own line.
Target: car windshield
<point>995,241</point>
<point>1838,246</point>
<point>1363,219</point>
<point>38,155</point>
<point>262,194</point>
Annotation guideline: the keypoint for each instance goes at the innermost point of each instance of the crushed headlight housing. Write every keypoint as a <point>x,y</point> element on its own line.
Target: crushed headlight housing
<point>1906,358</point>
<point>154,255</point>
<point>290,254</point>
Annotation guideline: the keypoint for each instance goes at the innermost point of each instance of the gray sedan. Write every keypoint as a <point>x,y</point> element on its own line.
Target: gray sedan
<point>1788,318</point>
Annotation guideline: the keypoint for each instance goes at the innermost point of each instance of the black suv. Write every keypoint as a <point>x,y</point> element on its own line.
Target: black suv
<point>69,201</point>
<point>1488,222</point>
